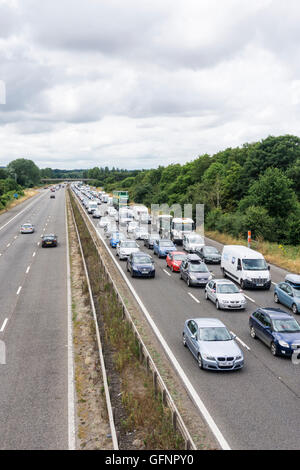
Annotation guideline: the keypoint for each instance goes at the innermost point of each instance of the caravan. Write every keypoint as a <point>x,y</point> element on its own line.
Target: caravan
<point>245,266</point>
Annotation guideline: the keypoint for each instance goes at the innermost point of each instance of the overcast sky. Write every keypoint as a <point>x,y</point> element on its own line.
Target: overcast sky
<point>138,83</point>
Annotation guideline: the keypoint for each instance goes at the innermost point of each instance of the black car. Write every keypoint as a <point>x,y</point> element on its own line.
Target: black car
<point>209,254</point>
<point>148,242</point>
<point>140,265</point>
<point>49,240</point>
<point>194,272</point>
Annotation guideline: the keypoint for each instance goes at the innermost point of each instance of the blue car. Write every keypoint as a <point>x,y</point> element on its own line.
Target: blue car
<point>115,238</point>
<point>287,295</point>
<point>277,329</point>
<point>162,247</point>
<point>140,265</point>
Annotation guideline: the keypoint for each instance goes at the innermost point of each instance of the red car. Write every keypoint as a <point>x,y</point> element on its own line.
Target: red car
<point>174,260</point>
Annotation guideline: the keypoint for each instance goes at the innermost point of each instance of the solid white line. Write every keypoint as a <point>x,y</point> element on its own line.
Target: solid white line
<point>274,283</point>
<point>249,298</point>
<point>193,297</point>
<point>194,395</point>
<point>4,325</point>
<point>71,398</point>
<point>27,270</point>
<point>165,271</point>
<point>19,290</point>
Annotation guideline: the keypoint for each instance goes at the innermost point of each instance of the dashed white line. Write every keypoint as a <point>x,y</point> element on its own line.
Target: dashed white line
<point>33,254</point>
<point>3,325</point>
<point>27,270</point>
<point>19,290</point>
<point>240,341</point>
<point>193,297</point>
<point>249,298</point>
<point>8,245</point>
<point>165,271</point>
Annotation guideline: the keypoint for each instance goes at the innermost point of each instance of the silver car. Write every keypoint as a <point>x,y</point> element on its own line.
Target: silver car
<point>27,228</point>
<point>225,294</point>
<point>126,247</point>
<point>212,344</point>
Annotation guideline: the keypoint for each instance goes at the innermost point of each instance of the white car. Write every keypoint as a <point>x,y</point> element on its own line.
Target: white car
<point>225,294</point>
<point>104,221</point>
<point>132,226</point>
<point>111,211</point>
<point>96,214</point>
<point>141,233</point>
<point>27,228</point>
<point>126,247</point>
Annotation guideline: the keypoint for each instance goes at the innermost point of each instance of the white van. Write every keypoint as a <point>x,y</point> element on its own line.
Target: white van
<point>92,206</point>
<point>192,242</point>
<point>180,227</point>
<point>245,266</point>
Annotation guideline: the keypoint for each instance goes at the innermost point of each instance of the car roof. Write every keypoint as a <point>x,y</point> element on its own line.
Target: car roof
<point>293,278</point>
<point>242,251</point>
<point>275,312</point>
<point>208,322</point>
<point>193,257</point>
<point>224,281</point>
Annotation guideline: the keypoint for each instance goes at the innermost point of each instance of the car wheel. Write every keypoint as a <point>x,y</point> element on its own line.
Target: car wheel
<point>217,305</point>
<point>184,340</point>
<point>181,276</point>
<point>223,272</point>
<point>206,295</point>
<point>188,282</point>
<point>252,332</point>
<point>242,284</point>
<point>172,268</point>
<point>200,363</point>
<point>273,349</point>
<point>276,299</point>
<point>294,309</point>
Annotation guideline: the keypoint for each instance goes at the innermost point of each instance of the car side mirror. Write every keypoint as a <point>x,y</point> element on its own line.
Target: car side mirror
<point>269,267</point>
<point>233,336</point>
<point>239,268</point>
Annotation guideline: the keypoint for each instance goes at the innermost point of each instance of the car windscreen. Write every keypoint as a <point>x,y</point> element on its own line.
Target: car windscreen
<point>165,243</point>
<point>214,334</point>
<point>129,245</point>
<point>254,264</point>
<point>142,260</point>
<point>196,239</point>
<point>211,250</point>
<point>198,268</point>
<point>286,325</point>
<point>179,257</point>
<point>183,227</point>
<point>227,289</point>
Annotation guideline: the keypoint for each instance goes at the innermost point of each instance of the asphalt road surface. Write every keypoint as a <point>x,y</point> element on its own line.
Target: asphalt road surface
<point>255,408</point>
<point>33,326</point>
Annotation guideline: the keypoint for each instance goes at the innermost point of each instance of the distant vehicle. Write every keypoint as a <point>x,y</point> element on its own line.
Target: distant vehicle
<point>126,247</point>
<point>125,216</point>
<point>140,233</point>
<point>194,272</point>
<point>27,228</point>
<point>212,344</point>
<point>162,223</point>
<point>148,242</point>
<point>132,226</point>
<point>209,254</point>
<point>104,221</point>
<point>287,295</point>
<point>174,260</point>
<point>96,214</point>
<point>49,240</point>
<point>277,329</point>
<point>180,226</point>
<point>111,211</point>
<point>141,214</point>
<point>162,247</point>
<point>115,238</point>
<point>225,295</point>
<point>120,199</point>
<point>92,206</point>
<point>192,242</point>
<point>245,266</point>
<point>110,228</point>
<point>140,265</point>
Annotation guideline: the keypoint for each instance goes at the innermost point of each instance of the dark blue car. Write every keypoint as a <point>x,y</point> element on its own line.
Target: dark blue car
<point>140,265</point>
<point>277,329</point>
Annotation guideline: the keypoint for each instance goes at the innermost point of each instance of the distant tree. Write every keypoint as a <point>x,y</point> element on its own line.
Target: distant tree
<point>24,171</point>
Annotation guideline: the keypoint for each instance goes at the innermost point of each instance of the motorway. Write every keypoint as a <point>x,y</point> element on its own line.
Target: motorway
<point>33,326</point>
<point>255,408</point>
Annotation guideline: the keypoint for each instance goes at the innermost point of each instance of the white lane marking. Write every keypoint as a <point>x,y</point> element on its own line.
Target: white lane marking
<point>165,271</point>
<point>3,325</point>
<point>274,283</point>
<point>33,255</point>
<point>8,245</point>
<point>249,298</point>
<point>15,237</point>
<point>193,297</point>
<point>71,388</point>
<point>240,341</point>
<point>38,243</point>
<point>27,270</point>
<point>19,290</point>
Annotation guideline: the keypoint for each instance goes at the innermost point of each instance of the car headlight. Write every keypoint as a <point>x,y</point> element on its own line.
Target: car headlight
<point>283,344</point>
<point>238,358</point>
<point>193,276</point>
<point>209,358</point>
<point>225,301</point>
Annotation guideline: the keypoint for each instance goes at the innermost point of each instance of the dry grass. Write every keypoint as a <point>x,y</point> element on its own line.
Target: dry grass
<point>28,194</point>
<point>284,256</point>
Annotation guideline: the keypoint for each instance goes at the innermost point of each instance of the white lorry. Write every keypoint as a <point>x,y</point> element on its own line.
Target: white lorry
<point>245,266</point>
